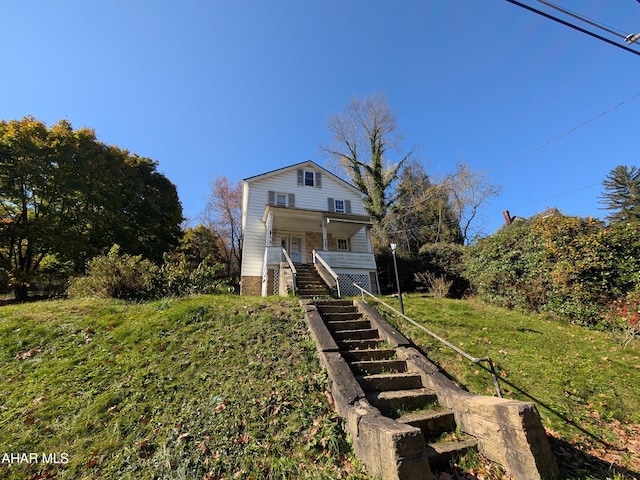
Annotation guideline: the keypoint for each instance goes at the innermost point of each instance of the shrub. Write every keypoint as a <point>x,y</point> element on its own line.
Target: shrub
<point>571,266</point>
<point>113,275</point>
<point>181,278</point>
<point>624,317</point>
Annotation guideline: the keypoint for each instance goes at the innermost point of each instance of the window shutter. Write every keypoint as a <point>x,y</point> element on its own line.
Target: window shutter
<point>292,200</point>
<point>331,204</point>
<point>272,197</point>
<point>347,206</point>
<point>300,177</point>
<point>318,180</point>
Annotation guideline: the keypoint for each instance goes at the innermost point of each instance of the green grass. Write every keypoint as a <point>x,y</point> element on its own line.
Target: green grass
<point>205,388</point>
<point>585,384</point>
<point>222,387</point>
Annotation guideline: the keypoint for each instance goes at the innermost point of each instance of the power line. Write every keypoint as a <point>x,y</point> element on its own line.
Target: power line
<point>575,27</point>
<point>568,132</point>
<point>584,19</point>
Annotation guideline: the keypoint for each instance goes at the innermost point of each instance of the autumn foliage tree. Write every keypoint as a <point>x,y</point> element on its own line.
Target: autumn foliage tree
<point>67,196</point>
<point>223,214</point>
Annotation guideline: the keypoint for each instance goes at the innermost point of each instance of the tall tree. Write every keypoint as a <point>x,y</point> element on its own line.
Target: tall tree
<point>363,135</point>
<point>421,212</point>
<point>223,214</point>
<point>65,194</point>
<point>622,194</point>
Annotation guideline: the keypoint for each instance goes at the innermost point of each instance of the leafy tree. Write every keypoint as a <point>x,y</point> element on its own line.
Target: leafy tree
<point>421,213</point>
<point>64,193</point>
<point>363,134</point>
<point>622,194</point>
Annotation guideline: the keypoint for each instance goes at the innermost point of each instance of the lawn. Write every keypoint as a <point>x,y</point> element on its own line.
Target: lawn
<point>204,388</point>
<point>585,384</point>
<point>223,387</point>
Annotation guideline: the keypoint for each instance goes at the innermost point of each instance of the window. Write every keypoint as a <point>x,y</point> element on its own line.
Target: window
<point>309,179</point>
<point>343,244</point>
<point>281,199</point>
<point>339,206</point>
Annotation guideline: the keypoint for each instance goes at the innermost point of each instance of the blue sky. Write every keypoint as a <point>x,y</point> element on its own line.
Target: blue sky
<point>241,87</point>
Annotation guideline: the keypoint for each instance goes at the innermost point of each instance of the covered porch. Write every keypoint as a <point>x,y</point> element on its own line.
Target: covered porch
<point>338,244</point>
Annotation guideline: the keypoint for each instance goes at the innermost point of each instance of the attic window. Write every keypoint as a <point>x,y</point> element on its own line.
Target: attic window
<point>309,179</point>
<point>339,207</point>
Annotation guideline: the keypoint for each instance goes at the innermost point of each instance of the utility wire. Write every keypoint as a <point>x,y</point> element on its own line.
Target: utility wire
<point>568,132</point>
<point>584,19</point>
<point>575,27</point>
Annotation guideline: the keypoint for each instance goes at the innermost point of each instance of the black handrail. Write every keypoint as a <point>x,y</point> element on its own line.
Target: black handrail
<point>440,339</point>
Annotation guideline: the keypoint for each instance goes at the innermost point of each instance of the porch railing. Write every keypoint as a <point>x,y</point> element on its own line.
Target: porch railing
<point>294,272</point>
<point>326,271</point>
<point>440,339</point>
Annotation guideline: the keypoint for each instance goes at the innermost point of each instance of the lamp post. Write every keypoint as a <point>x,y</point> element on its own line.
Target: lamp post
<point>395,267</point>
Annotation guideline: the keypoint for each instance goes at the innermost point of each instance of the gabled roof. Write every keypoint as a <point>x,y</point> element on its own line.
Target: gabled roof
<point>307,164</point>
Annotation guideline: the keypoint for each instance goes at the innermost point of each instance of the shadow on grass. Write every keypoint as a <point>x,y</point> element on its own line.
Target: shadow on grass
<point>573,462</point>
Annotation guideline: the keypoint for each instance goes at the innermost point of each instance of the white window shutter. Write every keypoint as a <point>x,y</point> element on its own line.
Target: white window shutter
<point>331,204</point>
<point>318,180</point>
<point>300,177</point>
<point>347,206</point>
<point>272,197</point>
<point>292,200</point>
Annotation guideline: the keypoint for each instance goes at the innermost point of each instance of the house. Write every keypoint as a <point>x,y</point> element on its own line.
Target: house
<point>304,215</point>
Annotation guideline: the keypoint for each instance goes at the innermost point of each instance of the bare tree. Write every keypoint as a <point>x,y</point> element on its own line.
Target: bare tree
<point>223,214</point>
<point>468,189</point>
<point>363,134</point>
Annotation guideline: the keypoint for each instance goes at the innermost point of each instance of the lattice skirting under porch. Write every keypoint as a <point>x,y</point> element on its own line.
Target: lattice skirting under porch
<point>348,279</point>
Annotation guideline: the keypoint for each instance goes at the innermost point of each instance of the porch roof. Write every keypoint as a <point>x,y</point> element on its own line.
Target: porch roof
<point>305,220</point>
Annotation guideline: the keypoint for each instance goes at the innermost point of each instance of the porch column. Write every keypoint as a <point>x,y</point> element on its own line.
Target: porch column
<point>367,233</point>
<point>324,235</point>
<point>269,239</point>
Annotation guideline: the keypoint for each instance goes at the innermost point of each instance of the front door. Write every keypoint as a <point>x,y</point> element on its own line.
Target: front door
<point>293,246</point>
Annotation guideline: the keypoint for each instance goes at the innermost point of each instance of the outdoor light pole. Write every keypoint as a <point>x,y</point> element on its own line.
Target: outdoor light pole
<point>395,267</point>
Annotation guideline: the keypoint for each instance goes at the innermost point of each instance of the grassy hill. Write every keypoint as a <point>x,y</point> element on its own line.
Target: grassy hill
<point>211,387</point>
<point>229,387</point>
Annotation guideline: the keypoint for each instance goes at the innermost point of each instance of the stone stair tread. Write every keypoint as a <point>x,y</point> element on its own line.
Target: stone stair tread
<point>370,354</point>
<point>414,417</point>
<point>380,366</point>
<point>451,446</point>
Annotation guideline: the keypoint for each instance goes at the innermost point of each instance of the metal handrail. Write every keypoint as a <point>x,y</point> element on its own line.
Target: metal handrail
<point>294,272</point>
<point>325,265</point>
<point>440,339</point>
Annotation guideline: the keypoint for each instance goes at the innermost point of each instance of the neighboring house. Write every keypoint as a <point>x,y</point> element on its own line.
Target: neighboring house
<point>304,214</point>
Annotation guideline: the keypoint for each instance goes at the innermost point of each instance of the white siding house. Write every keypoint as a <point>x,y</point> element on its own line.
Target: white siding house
<point>304,214</point>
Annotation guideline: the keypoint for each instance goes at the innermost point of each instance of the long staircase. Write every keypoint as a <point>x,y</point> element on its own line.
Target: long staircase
<point>405,417</point>
<point>309,283</point>
<point>395,392</point>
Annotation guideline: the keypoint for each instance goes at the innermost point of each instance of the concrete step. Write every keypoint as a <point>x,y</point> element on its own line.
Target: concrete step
<point>340,314</point>
<point>401,400</point>
<point>433,423</point>
<point>366,344</point>
<point>362,334</point>
<point>440,453</point>
<point>371,354</point>
<point>385,382</point>
<point>371,367</point>
<point>341,325</point>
